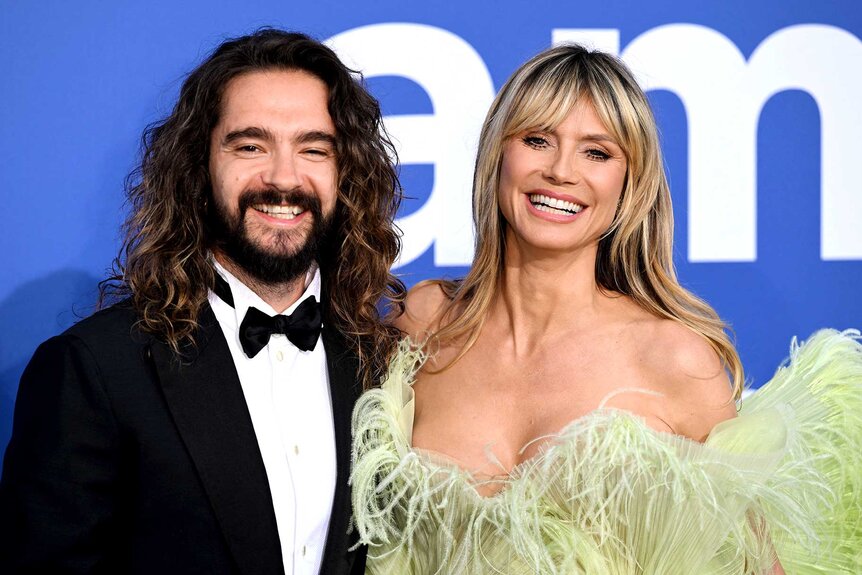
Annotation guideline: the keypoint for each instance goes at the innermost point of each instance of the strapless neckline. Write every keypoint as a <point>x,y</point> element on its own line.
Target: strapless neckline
<point>610,495</point>
<point>613,419</point>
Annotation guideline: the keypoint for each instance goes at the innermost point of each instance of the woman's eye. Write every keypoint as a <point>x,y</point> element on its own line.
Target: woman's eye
<point>596,154</point>
<point>535,141</point>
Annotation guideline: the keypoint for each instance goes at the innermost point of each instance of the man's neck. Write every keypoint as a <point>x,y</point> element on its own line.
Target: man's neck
<point>279,296</point>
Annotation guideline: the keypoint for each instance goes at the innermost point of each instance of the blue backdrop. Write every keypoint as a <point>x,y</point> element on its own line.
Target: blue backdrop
<point>756,104</point>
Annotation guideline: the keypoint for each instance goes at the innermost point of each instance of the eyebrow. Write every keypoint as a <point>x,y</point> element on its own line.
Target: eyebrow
<point>316,136</point>
<point>600,138</point>
<point>253,132</point>
<point>258,133</point>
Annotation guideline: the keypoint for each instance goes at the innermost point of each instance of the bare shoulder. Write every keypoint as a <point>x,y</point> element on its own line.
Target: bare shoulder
<point>692,378</point>
<point>424,307</point>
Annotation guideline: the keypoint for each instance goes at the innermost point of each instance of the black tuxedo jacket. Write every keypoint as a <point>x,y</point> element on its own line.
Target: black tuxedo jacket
<point>125,458</point>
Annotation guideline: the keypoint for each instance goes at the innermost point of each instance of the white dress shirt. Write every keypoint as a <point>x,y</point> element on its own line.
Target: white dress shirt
<point>287,392</point>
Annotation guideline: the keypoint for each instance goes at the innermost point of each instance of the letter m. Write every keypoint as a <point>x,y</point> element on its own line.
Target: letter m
<point>723,96</point>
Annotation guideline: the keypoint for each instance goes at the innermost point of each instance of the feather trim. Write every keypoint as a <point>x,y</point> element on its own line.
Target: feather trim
<point>610,495</point>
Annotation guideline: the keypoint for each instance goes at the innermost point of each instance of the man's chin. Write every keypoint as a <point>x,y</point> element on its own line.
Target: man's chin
<point>281,252</point>
<point>274,270</point>
<point>279,243</point>
<point>272,256</point>
<point>271,262</point>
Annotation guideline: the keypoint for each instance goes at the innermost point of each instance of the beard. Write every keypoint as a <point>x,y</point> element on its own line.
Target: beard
<point>291,252</point>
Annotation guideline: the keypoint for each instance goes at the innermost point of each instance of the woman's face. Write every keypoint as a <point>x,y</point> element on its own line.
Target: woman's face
<point>559,189</point>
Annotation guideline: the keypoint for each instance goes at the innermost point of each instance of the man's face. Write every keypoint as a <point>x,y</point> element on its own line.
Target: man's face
<point>274,174</point>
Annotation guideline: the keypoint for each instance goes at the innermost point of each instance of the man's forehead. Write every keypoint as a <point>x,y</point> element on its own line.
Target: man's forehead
<point>272,81</point>
<point>287,97</point>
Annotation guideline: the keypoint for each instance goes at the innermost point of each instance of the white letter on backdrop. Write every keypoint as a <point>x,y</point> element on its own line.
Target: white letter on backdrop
<point>723,96</point>
<point>461,90</point>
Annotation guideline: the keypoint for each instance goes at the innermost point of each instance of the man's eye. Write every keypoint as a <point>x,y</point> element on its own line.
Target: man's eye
<point>249,148</point>
<point>535,141</point>
<point>318,152</point>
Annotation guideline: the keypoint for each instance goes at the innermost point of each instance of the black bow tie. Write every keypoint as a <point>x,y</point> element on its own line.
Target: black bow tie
<point>302,327</point>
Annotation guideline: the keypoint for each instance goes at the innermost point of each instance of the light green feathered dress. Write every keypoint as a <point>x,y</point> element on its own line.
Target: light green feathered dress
<point>611,496</point>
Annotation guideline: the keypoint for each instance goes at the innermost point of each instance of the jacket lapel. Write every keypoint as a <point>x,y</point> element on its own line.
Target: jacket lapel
<point>344,389</point>
<point>206,401</point>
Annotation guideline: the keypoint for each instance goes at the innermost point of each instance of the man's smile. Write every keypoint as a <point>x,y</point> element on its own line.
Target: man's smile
<point>280,212</point>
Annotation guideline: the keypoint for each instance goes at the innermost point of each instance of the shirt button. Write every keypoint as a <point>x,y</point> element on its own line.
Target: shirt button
<point>303,550</point>
<point>296,449</point>
<point>279,355</point>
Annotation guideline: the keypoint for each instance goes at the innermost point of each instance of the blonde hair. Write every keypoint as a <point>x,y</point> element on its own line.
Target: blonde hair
<point>635,254</point>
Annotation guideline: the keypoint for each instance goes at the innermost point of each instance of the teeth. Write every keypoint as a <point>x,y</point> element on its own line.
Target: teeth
<point>554,205</point>
<point>280,212</point>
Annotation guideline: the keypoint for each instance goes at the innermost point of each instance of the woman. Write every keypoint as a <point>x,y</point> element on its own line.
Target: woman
<point>568,407</point>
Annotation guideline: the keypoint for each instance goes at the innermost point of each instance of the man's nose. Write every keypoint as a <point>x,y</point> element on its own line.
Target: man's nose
<point>282,171</point>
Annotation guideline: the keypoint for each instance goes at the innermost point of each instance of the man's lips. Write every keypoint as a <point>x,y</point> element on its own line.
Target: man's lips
<point>280,212</point>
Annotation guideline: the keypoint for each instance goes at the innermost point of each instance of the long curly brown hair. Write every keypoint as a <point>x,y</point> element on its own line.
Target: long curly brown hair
<point>163,265</point>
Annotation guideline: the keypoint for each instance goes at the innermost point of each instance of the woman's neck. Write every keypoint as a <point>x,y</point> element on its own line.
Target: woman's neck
<point>544,294</point>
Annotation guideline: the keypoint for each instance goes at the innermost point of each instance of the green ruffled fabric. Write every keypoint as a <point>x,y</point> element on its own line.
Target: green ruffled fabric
<point>611,496</point>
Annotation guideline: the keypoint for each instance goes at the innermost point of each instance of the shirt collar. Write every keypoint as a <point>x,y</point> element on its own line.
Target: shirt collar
<point>244,297</point>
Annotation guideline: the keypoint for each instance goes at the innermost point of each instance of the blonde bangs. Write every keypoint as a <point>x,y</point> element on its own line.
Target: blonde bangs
<point>542,105</point>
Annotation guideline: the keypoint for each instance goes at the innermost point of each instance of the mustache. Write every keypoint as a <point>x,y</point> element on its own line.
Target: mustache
<point>295,197</point>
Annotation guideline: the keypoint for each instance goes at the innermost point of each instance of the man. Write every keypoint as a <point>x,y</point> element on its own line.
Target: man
<point>202,425</point>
